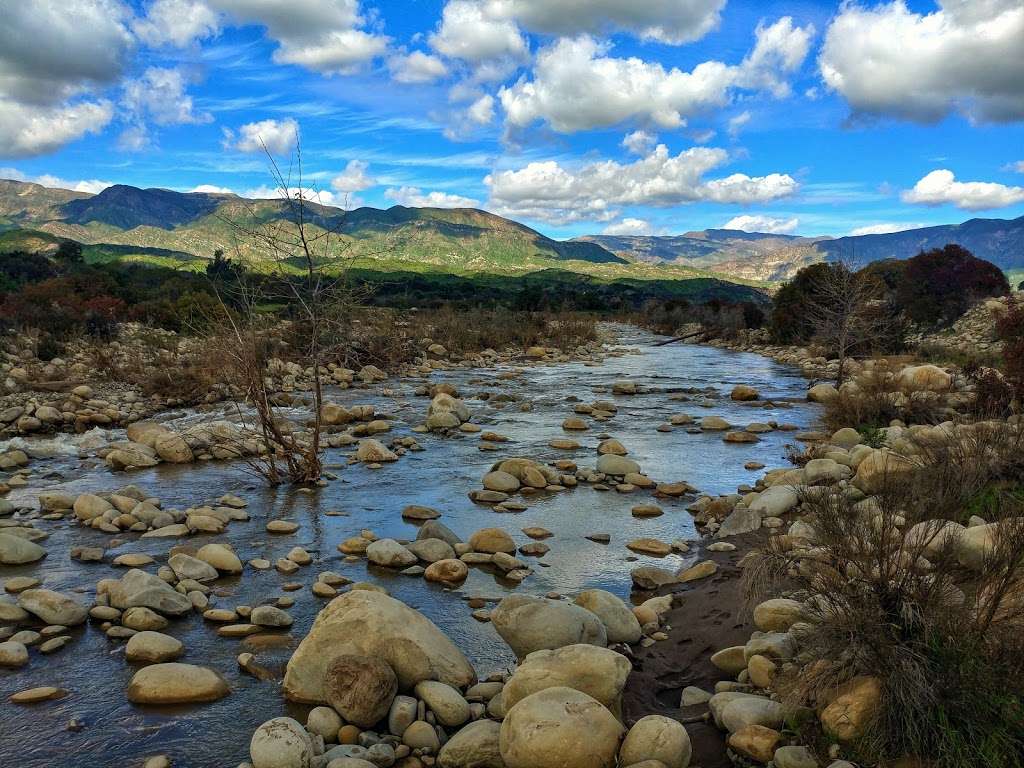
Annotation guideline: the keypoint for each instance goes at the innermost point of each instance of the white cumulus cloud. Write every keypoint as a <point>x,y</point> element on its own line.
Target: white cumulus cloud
<point>92,186</point>
<point>966,56</point>
<point>628,227</point>
<point>577,86</point>
<point>883,228</point>
<point>417,67</point>
<point>326,36</point>
<point>158,96</point>
<point>639,142</point>
<point>474,32</point>
<point>176,22</point>
<point>278,136</point>
<point>414,197</point>
<point>212,189</point>
<point>666,21</point>
<point>27,130</point>
<point>53,58</point>
<point>940,187</point>
<point>481,111</point>
<point>765,224</point>
<point>354,178</point>
<point>550,192</point>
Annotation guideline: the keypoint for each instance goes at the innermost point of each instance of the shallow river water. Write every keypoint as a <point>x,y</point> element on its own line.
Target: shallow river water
<point>92,668</point>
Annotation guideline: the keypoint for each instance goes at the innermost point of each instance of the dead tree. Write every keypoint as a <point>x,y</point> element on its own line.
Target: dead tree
<point>297,263</point>
<point>848,312</point>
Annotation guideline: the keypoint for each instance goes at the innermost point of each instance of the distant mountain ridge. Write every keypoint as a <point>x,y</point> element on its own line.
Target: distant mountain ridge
<point>770,257</point>
<point>197,223</point>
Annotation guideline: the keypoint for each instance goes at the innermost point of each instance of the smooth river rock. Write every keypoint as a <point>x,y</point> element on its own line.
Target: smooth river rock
<point>368,623</point>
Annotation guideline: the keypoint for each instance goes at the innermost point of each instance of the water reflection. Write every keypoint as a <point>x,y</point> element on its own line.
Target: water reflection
<point>117,733</point>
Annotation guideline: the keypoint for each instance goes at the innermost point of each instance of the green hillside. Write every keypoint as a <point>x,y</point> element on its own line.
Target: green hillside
<point>182,231</point>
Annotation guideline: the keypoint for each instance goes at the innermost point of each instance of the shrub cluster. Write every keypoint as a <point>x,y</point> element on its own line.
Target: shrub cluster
<point>932,288</point>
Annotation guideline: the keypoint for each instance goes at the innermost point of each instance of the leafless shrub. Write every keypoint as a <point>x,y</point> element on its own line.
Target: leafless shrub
<point>888,595</point>
<point>877,398</point>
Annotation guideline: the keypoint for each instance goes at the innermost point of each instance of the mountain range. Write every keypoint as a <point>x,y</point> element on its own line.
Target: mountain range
<point>183,229</point>
<point>770,257</point>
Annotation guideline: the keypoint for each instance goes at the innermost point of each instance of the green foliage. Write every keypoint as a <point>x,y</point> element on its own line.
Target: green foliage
<point>938,286</point>
<point>70,251</point>
<point>980,720</point>
<point>789,322</point>
<point>871,435</point>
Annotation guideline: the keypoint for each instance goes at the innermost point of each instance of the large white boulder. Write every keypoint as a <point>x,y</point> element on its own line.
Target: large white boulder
<point>531,624</point>
<point>368,623</point>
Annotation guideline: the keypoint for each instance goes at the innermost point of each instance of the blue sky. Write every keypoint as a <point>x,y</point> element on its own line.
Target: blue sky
<point>581,116</point>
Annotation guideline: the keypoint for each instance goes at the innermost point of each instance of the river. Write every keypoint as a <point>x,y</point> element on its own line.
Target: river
<point>92,668</point>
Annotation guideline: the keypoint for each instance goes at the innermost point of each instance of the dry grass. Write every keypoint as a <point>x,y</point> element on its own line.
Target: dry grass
<point>878,398</point>
<point>888,596</point>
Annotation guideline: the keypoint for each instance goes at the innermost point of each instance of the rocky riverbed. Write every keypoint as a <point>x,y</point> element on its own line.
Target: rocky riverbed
<point>668,409</point>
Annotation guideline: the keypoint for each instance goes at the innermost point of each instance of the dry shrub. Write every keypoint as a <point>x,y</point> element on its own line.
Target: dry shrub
<point>878,399</point>
<point>479,329</point>
<point>887,596</point>
<point>153,365</point>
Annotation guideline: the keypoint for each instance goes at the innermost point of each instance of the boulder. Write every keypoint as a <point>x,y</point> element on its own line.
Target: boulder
<point>742,393</point>
<point>619,622</point>
<point>598,672</point>
<point>619,466</point>
<point>368,623</point>
<point>176,683</point>
<point>822,393</point>
<point>431,550</point>
<point>491,540</point>
<point>531,624</point>
<point>852,711</point>
<point>775,501</point>
<point>777,615</point>
<point>281,743</point>
<point>449,571</point>
<point>188,567</point>
<point>152,648</point>
<point>374,452</point>
<point>656,737</point>
<point>360,688</point>
<point>15,550</point>
<point>450,708</point>
<point>881,468</point>
<point>925,378</point>
<point>388,553</point>
<point>140,589</point>
<point>475,746</point>
<point>53,607</point>
<point>559,728</point>
<point>220,557</point>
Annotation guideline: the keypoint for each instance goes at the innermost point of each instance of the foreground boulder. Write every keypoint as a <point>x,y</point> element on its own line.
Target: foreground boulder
<point>559,728</point>
<point>360,688</point>
<point>176,684</point>
<point>281,743</point>
<point>475,746</point>
<point>531,624</point>
<point>367,623</point>
<point>598,672</point>
<point>619,622</point>
<point>656,738</point>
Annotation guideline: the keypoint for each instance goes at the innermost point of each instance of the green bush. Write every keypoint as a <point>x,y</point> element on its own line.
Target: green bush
<point>939,285</point>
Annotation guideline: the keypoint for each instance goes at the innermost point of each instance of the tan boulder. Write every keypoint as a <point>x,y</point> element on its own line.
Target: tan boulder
<point>559,728</point>
<point>369,623</point>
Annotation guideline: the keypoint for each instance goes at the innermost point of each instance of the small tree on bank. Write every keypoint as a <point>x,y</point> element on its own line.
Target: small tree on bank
<point>848,312</point>
<point>297,265</point>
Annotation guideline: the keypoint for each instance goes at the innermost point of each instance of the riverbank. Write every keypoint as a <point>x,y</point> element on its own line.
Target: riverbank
<point>525,403</point>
